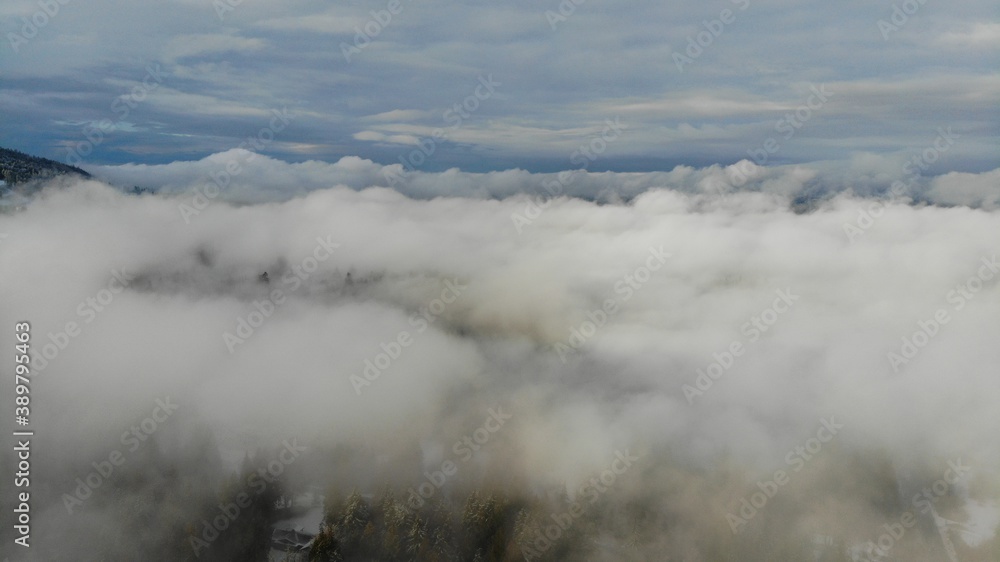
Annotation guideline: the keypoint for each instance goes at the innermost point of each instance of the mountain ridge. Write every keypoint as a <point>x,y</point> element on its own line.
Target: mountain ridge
<point>18,167</point>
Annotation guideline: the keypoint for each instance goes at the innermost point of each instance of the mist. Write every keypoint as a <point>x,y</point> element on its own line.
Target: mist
<point>690,333</point>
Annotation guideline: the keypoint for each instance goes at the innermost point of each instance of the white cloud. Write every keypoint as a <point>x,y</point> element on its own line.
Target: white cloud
<point>980,35</point>
<point>972,190</point>
<point>701,104</point>
<point>334,22</point>
<point>523,293</point>
<point>400,115</point>
<point>186,46</point>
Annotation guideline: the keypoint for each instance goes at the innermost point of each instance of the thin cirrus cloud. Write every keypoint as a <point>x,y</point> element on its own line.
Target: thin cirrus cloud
<point>983,35</point>
<point>187,46</point>
<point>334,22</point>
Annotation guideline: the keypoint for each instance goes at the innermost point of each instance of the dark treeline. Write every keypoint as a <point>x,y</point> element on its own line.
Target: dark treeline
<point>17,167</point>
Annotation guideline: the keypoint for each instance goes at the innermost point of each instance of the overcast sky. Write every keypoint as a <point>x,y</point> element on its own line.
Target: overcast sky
<point>214,73</point>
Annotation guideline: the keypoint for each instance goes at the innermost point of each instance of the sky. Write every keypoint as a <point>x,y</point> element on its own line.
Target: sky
<point>514,85</point>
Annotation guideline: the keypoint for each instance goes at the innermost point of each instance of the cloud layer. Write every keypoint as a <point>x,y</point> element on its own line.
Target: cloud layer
<point>242,176</point>
<point>710,336</point>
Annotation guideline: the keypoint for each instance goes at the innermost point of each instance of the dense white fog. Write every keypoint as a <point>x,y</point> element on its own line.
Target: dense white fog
<point>807,319</point>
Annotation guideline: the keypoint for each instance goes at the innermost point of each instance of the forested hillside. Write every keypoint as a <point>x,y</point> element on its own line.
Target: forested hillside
<point>18,167</point>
